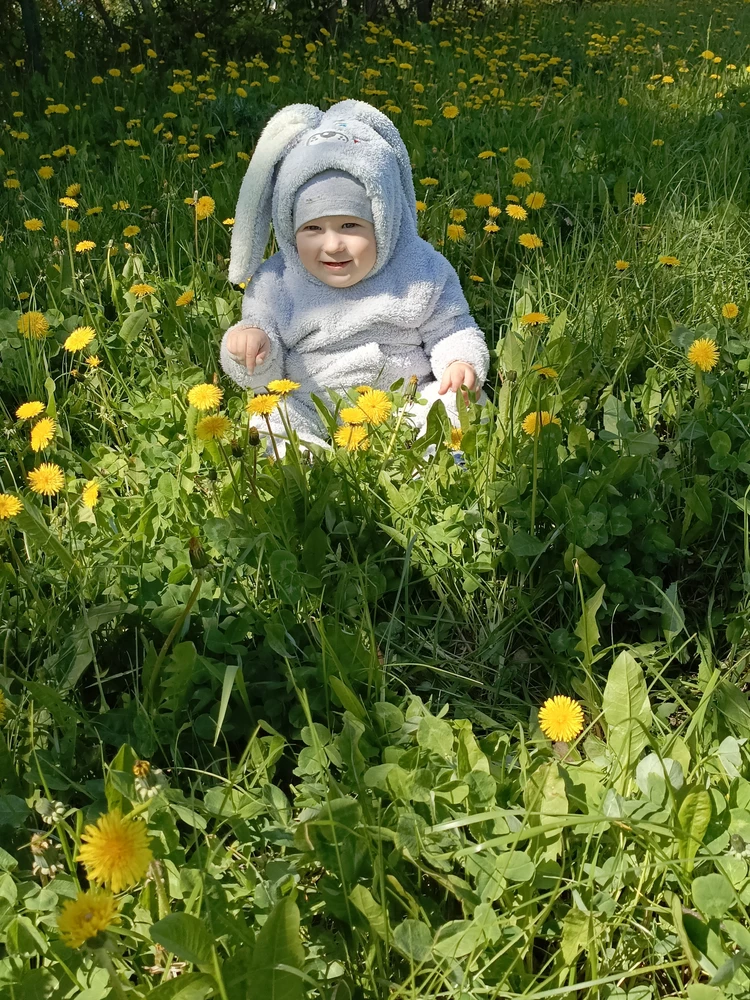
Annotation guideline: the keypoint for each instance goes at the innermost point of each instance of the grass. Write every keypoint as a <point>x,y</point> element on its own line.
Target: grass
<point>334,670</point>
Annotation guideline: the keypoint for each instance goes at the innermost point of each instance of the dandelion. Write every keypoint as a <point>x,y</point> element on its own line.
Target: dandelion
<point>84,246</point>
<point>204,207</point>
<point>730,310</point>
<point>450,111</point>
<point>79,338</point>
<point>205,396</point>
<point>622,265</point>
<point>704,354</point>
<point>68,202</point>
<point>47,479</point>
<point>455,233</point>
<point>213,427</point>
<point>530,240</point>
<point>493,211</point>
<point>533,422</point>
<point>90,494</point>
<point>456,438</point>
<point>429,181</point>
<point>544,372</point>
<point>28,410</point>
<point>42,433</point>
<point>73,190</point>
<point>639,198</point>
<point>9,506</point>
<point>141,290</point>
<point>131,231</point>
<point>116,851</point>
<point>522,163</point>
<point>227,222</point>
<point>536,200</point>
<point>32,325</point>
<point>70,225</point>
<point>534,319</point>
<point>87,915</point>
<point>263,404</point>
<point>46,173</point>
<point>458,215</point>
<point>352,415</point>
<point>33,225</point>
<point>121,206</point>
<point>516,212</point>
<point>352,437</point>
<point>375,405</point>
<point>282,386</point>
<point>521,179</point>
<point>95,210</point>
<point>482,200</point>
<point>421,206</point>
<point>94,360</point>
<point>491,227</point>
<point>669,261</point>
<point>186,298</point>
<point>487,154</point>
<point>561,718</point>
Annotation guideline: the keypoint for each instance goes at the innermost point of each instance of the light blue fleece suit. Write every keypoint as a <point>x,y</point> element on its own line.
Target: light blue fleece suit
<point>407,316</point>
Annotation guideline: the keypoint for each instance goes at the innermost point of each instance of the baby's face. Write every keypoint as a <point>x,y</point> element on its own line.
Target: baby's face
<point>343,239</point>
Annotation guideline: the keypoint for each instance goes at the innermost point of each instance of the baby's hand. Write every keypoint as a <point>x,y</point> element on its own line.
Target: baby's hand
<point>249,346</point>
<point>456,375</point>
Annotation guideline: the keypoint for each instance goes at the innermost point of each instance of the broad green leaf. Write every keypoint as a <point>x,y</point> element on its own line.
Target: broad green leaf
<point>413,939</point>
<point>713,894</point>
<point>133,325</point>
<point>368,906</point>
<point>627,712</point>
<point>435,735</point>
<point>693,818</point>
<point>186,936</point>
<point>457,939</point>
<point>587,629</point>
<point>576,934</point>
<point>278,944</point>
<point>193,986</point>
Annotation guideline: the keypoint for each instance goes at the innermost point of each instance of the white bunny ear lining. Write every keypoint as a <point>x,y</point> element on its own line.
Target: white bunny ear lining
<point>252,217</point>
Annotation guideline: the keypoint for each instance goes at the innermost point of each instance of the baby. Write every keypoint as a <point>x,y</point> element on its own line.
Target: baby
<point>354,295</point>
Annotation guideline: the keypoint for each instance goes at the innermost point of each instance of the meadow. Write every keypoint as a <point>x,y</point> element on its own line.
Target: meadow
<point>382,725</point>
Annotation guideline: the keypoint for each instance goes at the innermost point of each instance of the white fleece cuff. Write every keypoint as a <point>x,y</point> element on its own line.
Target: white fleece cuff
<point>464,345</point>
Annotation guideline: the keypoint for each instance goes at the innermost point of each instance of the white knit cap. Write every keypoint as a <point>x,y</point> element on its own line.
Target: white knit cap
<point>332,192</point>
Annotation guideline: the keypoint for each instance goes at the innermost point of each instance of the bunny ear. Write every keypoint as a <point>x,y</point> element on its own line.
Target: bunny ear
<point>382,124</point>
<point>252,216</point>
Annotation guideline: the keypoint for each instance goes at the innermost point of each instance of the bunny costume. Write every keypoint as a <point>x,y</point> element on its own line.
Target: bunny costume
<point>407,316</point>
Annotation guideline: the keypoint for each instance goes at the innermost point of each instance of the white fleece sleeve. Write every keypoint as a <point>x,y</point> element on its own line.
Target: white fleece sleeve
<point>257,310</point>
<point>451,334</point>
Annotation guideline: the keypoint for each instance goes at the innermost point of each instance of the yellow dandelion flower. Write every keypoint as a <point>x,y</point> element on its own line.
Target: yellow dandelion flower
<point>455,233</point>
<point>70,225</point>
<point>32,325</point>
<point>352,437</point>
<point>95,210</point>
<point>730,310</point>
<point>264,404</point>
<point>27,410</point>
<point>533,422</point>
<point>42,433</point>
<point>205,396</point>
<point>228,222</point>
<point>536,200</point>
<point>491,227</point>
<point>450,111</point>
<point>33,225</point>
<point>534,319</point>
<point>516,212</point>
<point>9,506</point>
<point>639,198</point>
<point>375,405</point>
<point>561,718</point>
<point>456,437</point>
<point>704,353</point>
<point>90,494</point>
<point>669,261</point>
<point>544,371</point>
<point>363,388</point>
<point>87,915</point>
<point>204,207</point>
<point>131,231</point>
<point>622,265</point>
<point>429,181</point>
<point>352,415</point>
<point>458,215</point>
<point>121,206</point>
<point>486,154</point>
<point>521,179</point>
<point>94,360</point>
<point>186,298</point>
<point>141,290</point>
<point>68,202</point>
<point>47,479</point>
<point>282,386</point>
<point>481,199</point>
<point>73,190</point>
<point>213,427</point>
<point>116,851</point>
<point>421,206</point>
<point>84,246</point>
<point>530,240</point>
<point>46,173</point>
<point>79,338</point>
<point>522,163</point>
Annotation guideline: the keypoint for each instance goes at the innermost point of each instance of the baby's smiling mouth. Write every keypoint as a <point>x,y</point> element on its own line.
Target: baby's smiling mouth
<point>336,263</point>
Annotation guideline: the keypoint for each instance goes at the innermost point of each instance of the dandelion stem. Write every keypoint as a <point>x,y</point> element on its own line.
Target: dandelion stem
<point>157,667</point>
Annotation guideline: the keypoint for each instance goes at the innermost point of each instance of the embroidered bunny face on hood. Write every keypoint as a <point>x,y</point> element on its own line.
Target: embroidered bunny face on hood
<point>301,141</point>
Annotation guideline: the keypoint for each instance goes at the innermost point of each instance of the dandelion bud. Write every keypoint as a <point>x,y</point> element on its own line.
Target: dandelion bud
<point>215,379</point>
<point>141,769</point>
<point>411,389</point>
<point>236,446</point>
<point>253,437</point>
<point>511,376</point>
<point>198,557</point>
